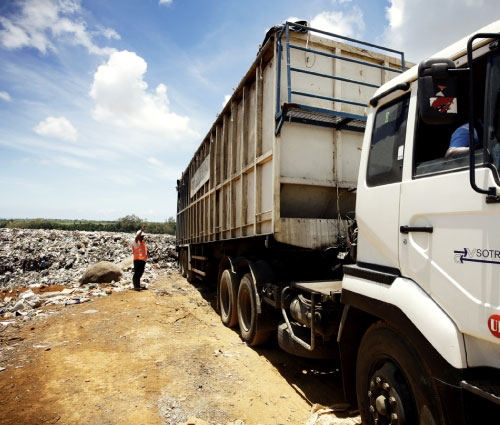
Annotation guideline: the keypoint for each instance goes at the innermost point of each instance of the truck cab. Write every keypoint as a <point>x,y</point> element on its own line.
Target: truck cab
<point>420,333</point>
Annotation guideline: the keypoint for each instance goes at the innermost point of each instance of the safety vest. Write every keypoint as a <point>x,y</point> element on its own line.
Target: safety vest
<point>140,251</point>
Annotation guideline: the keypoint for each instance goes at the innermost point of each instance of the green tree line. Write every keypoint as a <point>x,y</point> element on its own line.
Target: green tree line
<point>127,224</point>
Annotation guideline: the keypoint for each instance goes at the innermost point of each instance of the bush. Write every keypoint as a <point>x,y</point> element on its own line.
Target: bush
<point>127,224</point>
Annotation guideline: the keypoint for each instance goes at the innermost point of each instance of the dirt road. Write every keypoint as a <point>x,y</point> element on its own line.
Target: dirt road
<point>160,356</point>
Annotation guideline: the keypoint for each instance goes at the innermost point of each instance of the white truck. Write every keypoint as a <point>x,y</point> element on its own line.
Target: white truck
<point>325,205</point>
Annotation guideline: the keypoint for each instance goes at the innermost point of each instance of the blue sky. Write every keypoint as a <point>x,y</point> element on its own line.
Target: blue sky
<point>103,102</point>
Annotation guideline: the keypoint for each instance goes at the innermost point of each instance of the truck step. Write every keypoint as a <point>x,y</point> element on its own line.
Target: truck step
<point>325,287</point>
<point>483,388</point>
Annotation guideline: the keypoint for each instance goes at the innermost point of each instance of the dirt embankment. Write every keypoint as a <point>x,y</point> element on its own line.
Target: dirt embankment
<point>160,356</point>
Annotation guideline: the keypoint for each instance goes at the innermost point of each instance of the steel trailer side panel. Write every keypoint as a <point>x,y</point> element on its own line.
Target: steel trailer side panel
<point>262,172</point>
<point>230,179</point>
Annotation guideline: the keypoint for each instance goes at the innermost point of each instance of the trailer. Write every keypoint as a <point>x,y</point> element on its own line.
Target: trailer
<point>279,165</point>
<point>329,208</point>
<point>269,195</point>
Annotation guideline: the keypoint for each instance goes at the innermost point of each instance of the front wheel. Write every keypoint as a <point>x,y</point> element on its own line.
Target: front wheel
<point>393,384</point>
<point>248,318</point>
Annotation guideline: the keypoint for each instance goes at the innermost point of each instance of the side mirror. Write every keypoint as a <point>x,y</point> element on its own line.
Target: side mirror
<point>438,91</point>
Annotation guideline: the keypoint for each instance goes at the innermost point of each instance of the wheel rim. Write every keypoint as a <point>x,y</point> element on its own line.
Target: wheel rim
<point>245,310</point>
<point>390,397</point>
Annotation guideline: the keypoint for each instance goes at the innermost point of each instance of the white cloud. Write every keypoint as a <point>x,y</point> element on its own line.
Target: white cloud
<point>348,24</point>
<point>395,14</point>
<point>420,28</point>
<point>69,6</point>
<point>59,128</point>
<point>40,24</point>
<point>109,33</point>
<point>122,98</point>
<point>226,99</point>
<point>120,178</point>
<point>154,161</point>
<point>14,37</point>
<point>5,96</point>
<point>162,171</point>
<point>165,1</point>
<point>70,162</point>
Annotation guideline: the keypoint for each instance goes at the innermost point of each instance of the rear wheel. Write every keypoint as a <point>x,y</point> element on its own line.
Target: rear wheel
<point>228,299</point>
<point>183,262</point>
<point>393,385</point>
<point>249,320</point>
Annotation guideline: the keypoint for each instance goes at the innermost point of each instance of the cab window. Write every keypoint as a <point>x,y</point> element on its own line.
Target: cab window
<point>385,161</point>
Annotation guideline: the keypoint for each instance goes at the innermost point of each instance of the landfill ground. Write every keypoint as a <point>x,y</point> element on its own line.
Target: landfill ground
<point>160,356</point>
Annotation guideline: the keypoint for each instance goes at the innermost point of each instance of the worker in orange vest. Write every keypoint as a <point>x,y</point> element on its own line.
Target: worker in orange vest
<point>140,256</point>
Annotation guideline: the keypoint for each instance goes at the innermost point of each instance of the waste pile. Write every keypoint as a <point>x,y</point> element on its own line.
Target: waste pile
<point>42,267</point>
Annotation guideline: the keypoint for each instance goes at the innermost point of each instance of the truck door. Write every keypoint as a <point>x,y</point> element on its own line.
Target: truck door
<point>377,208</point>
<point>449,233</point>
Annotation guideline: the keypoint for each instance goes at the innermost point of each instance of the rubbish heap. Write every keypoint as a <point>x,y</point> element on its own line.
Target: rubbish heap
<point>43,267</point>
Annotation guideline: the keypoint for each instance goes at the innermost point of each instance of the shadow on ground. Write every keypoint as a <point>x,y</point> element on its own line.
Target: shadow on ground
<point>317,381</point>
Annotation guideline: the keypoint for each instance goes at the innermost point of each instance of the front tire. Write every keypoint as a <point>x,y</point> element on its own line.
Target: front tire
<point>393,384</point>
<point>248,318</point>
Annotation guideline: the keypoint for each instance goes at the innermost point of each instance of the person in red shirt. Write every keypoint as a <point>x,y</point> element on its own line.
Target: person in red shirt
<point>140,252</point>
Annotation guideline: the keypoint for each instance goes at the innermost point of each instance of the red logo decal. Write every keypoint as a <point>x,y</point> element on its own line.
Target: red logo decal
<point>494,325</point>
<point>442,104</point>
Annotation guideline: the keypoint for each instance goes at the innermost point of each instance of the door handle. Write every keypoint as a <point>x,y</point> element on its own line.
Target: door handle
<point>422,229</point>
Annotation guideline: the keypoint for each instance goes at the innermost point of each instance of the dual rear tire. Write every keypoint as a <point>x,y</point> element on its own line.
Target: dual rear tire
<point>238,306</point>
<point>184,269</point>
<point>228,296</point>
<point>183,262</point>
